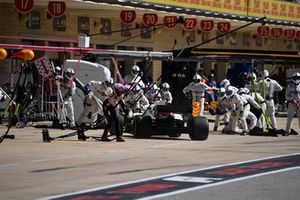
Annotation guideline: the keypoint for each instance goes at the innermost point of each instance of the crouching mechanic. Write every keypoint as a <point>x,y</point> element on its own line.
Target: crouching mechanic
<point>136,100</point>
<point>240,110</point>
<point>197,89</point>
<point>98,91</point>
<point>244,92</point>
<point>166,96</point>
<point>292,95</point>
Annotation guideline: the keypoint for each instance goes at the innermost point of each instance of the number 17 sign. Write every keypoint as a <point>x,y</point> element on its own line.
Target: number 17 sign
<point>23,6</point>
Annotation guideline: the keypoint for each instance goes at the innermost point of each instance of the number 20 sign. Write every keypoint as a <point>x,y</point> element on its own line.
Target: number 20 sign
<point>150,19</point>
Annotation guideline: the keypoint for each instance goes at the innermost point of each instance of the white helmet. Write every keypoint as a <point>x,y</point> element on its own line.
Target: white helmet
<point>242,91</point>
<point>165,86</point>
<point>197,78</point>
<point>69,72</point>
<point>225,83</point>
<point>109,82</point>
<point>222,92</point>
<point>296,77</point>
<point>246,90</point>
<point>265,74</point>
<point>136,89</point>
<point>229,91</point>
<point>135,70</point>
<point>154,88</point>
<point>58,69</point>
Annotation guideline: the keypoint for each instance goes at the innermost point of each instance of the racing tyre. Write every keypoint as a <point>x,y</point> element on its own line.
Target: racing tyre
<point>199,128</point>
<point>143,127</point>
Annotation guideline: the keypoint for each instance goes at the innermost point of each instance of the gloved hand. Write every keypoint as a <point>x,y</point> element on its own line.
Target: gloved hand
<point>241,113</point>
<point>66,98</point>
<point>233,113</point>
<point>87,87</point>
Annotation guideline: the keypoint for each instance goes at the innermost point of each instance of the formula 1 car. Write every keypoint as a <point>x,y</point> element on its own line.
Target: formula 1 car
<point>171,120</point>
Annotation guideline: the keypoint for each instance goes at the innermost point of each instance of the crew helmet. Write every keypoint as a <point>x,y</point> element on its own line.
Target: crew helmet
<point>225,83</point>
<point>165,87</point>
<point>69,73</point>
<point>154,88</point>
<point>135,70</point>
<point>241,91</point>
<point>265,74</point>
<point>136,89</point>
<point>229,91</point>
<point>197,78</point>
<point>247,91</point>
<point>296,77</point>
<point>109,82</point>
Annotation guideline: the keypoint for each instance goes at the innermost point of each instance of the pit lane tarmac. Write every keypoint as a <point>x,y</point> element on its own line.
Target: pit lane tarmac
<point>188,181</point>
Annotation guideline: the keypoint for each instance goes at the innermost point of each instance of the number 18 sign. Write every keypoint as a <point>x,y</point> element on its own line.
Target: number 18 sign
<point>56,8</point>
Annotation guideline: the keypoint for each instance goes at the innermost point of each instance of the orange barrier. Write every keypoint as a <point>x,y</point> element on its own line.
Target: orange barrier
<point>196,109</point>
<point>213,105</point>
<point>25,54</point>
<point>3,54</point>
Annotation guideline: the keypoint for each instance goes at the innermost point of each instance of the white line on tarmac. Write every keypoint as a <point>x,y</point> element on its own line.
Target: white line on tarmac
<point>219,183</point>
<point>184,190</point>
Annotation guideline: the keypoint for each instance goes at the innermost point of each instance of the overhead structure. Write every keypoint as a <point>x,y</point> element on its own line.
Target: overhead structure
<point>100,52</point>
<point>245,11</point>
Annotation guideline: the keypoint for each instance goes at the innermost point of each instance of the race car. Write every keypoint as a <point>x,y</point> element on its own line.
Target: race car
<point>171,120</point>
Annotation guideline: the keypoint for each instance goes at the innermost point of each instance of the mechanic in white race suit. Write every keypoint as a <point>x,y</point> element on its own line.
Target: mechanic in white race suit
<point>239,108</point>
<point>134,77</point>
<point>93,102</point>
<point>221,108</point>
<point>267,87</point>
<point>225,83</point>
<point>152,93</point>
<point>68,89</point>
<point>166,96</point>
<point>262,103</point>
<point>136,100</point>
<point>197,89</point>
<point>292,95</point>
<point>243,92</point>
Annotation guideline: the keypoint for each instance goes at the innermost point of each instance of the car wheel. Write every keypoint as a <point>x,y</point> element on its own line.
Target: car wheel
<point>143,127</point>
<point>199,128</point>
